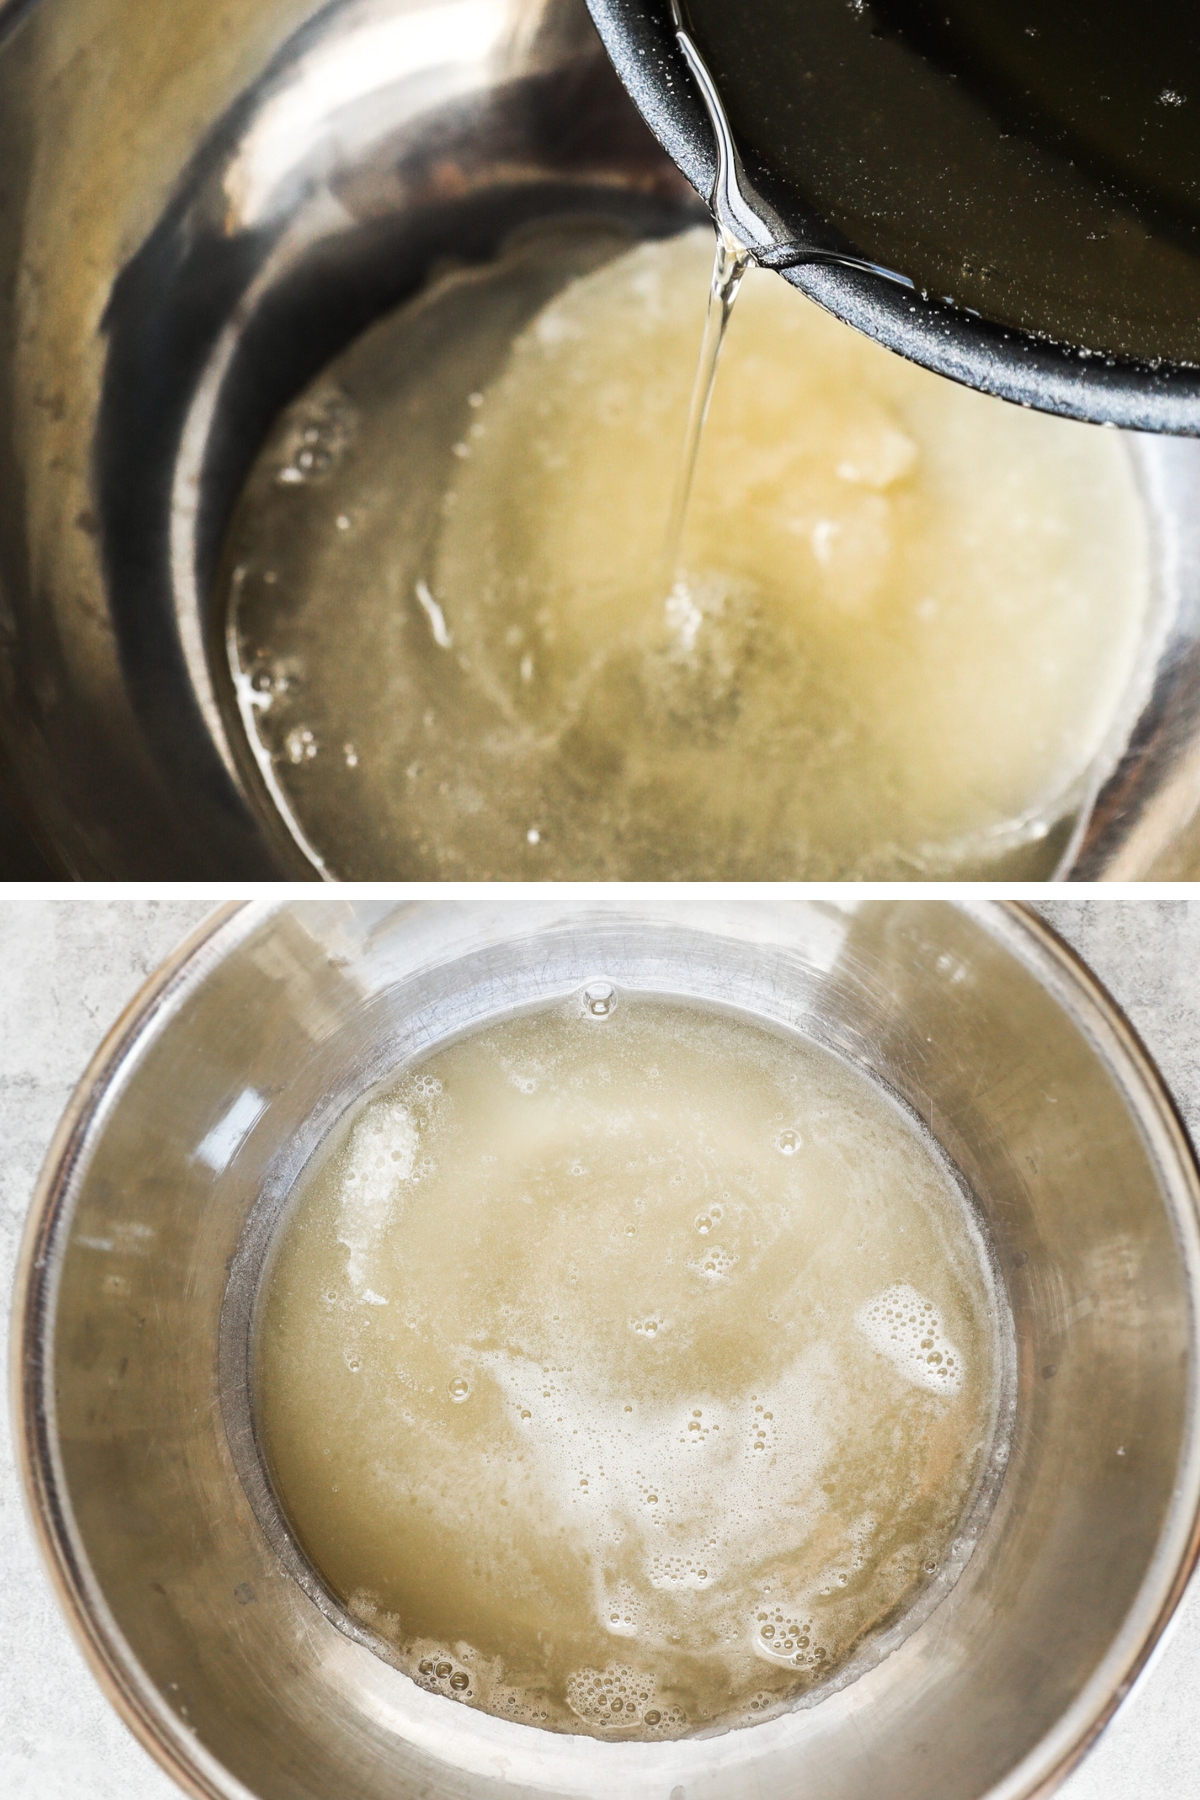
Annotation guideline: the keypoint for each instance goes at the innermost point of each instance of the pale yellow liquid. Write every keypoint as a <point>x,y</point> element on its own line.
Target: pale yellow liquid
<point>625,1376</point>
<point>907,618</point>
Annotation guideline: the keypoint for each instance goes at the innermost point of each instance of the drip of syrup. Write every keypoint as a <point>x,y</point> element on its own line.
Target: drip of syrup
<point>729,266</point>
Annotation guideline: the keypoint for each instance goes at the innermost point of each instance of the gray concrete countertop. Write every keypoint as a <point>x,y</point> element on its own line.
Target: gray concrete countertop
<point>67,966</point>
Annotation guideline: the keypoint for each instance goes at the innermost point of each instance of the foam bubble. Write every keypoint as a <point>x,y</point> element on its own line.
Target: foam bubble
<point>666,1571</point>
<point>715,1265</point>
<point>442,1671</point>
<point>618,1608</point>
<point>380,1160</point>
<point>687,1498</point>
<point>615,1698</point>
<point>786,1639</point>
<point>904,1326</point>
<point>599,999</point>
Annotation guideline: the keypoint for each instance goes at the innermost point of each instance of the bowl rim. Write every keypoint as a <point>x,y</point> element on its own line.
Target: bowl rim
<point>1015,924</point>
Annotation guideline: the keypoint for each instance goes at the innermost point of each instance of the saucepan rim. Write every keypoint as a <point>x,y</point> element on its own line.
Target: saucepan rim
<point>1096,386</point>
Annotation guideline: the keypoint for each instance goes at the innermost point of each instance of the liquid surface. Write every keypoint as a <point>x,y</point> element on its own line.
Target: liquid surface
<point>1039,163</point>
<point>626,1373</point>
<point>909,615</point>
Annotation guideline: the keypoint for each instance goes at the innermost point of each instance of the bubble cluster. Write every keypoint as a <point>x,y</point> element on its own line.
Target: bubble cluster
<point>316,442</point>
<point>380,1158</point>
<point>268,682</point>
<point>696,1429</point>
<point>441,1673</point>
<point>667,1571</point>
<point>617,1698</point>
<point>300,745</point>
<point>518,1704</point>
<point>760,1704</point>
<point>781,1638</point>
<point>620,1609</point>
<point>715,1265</point>
<point>761,1428</point>
<point>904,1326</point>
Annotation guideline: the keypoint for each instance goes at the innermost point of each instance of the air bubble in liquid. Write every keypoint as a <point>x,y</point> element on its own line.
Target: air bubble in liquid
<point>599,999</point>
<point>786,1641</point>
<point>460,1388</point>
<point>614,1698</point>
<point>905,1327</point>
<point>715,1265</point>
<point>300,745</point>
<point>788,1142</point>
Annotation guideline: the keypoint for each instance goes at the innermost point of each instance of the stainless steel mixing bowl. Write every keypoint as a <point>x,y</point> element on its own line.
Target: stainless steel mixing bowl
<point>186,1135</point>
<point>199,206</point>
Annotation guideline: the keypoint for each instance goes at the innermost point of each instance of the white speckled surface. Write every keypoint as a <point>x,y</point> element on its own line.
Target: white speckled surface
<point>68,965</point>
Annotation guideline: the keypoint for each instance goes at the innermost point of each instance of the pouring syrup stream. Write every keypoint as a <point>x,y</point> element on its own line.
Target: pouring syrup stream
<point>748,230</point>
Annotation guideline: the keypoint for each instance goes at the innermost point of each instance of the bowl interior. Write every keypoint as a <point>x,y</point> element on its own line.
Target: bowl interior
<point>281,193</point>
